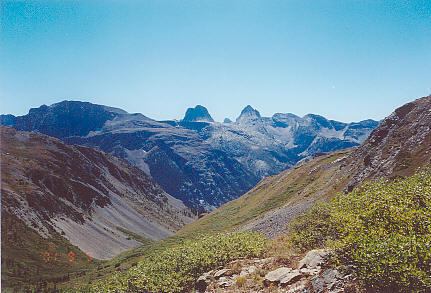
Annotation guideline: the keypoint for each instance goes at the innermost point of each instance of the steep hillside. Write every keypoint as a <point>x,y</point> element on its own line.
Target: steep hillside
<point>397,147</point>
<point>272,203</point>
<point>91,198</point>
<point>199,161</point>
<point>400,144</point>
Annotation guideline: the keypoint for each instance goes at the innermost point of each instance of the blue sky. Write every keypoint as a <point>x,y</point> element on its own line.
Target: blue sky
<point>346,60</point>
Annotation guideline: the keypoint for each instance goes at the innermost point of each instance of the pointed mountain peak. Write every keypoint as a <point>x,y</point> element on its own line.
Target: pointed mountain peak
<point>198,113</point>
<point>248,113</point>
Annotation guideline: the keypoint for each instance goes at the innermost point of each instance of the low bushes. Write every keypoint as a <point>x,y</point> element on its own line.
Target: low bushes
<point>383,229</point>
<point>176,269</point>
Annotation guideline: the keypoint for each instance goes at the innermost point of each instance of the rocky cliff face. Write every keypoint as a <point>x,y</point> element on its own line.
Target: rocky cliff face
<point>198,113</point>
<point>397,147</point>
<point>83,194</point>
<point>198,161</point>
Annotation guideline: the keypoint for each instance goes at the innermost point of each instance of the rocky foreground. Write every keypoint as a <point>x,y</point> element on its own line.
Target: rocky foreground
<point>313,273</point>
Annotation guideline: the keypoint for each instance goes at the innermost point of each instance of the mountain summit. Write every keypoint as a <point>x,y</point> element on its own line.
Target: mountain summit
<point>248,113</point>
<point>198,113</point>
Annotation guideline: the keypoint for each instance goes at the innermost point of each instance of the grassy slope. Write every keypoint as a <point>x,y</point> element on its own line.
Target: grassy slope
<point>294,185</point>
<point>23,260</point>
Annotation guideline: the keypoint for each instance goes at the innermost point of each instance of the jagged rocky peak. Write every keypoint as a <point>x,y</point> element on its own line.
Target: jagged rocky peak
<point>248,113</point>
<point>198,113</point>
<point>227,120</point>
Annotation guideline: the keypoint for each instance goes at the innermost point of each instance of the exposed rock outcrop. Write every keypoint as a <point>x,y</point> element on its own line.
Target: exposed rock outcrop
<point>397,147</point>
<point>198,113</point>
<point>316,275</point>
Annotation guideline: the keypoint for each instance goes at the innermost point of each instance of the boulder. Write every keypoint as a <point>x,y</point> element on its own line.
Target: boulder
<point>225,282</point>
<point>251,269</point>
<point>202,282</point>
<point>264,261</point>
<point>222,272</point>
<point>301,288</point>
<point>291,278</point>
<point>332,278</point>
<point>318,284</point>
<point>310,272</point>
<point>314,259</point>
<point>277,275</point>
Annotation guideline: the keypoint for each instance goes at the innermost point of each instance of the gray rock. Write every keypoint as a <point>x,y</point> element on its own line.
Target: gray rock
<point>222,272</point>
<point>333,279</point>
<point>317,283</point>
<point>264,261</point>
<point>291,278</point>
<point>306,271</point>
<point>314,259</point>
<point>225,282</point>
<point>331,275</point>
<point>301,288</point>
<point>251,269</point>
<point>202,282</point>
<point>277,275</point>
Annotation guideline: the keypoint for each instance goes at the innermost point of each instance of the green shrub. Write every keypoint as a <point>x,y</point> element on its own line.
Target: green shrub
<point>176,269</point>
<point>314,228</point>
<point>383,229</point>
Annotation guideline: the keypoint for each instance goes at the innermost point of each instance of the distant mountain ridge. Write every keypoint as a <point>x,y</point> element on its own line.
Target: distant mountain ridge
<point>201,162</point>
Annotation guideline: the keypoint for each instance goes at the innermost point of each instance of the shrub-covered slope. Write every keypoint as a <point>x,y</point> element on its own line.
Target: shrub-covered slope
<point>382,229</point>
<point>176,269</point>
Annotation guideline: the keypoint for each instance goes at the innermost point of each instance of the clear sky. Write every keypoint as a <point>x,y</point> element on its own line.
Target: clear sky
<point>343,59</point>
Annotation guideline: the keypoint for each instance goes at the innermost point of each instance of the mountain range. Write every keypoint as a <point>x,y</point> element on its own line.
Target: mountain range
<point>201,162</point>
